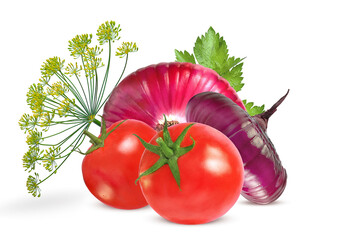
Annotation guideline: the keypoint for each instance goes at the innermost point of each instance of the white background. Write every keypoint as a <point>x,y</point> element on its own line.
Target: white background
<point>288,44</point>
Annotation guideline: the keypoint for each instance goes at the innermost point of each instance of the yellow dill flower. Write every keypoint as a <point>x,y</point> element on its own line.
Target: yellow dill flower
<point>44,80</point>
<point>93,65</point>
<point>32,185</point>
<point>78,45</point>
<point>108,31</point>
<point>31,157</point>
<point>73,69</point>
<point>34,138</point>
<point>28,122</point>
<point>36,97</point>
<point>25,123</point>
<point>65,107</point>
<point>93,52</point>
<point>126,48</point>
<point>46,120</point>
<point>51,67</point>
<point>57,89</point>
<point>50,158</point>
<point>91,61</point>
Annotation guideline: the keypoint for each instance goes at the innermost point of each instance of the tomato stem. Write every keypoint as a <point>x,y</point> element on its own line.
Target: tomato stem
<point>94,139</point>
<point>99,142</point>
<point>164,148</point>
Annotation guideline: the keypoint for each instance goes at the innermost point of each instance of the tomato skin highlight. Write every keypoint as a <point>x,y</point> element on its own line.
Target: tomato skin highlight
<point>110,172</point>
<point>211,177</point>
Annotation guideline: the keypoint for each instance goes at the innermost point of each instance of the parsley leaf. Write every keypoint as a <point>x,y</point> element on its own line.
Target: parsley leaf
<point>210,50</point>
<point>184,56</point>
<point>253,110</point>
<point>233,73</point>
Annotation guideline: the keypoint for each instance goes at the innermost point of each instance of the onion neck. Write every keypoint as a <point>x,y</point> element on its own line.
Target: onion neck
<point>262,118</point>
<point>160,126</point>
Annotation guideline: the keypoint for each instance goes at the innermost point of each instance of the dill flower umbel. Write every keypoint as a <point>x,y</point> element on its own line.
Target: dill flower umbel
<point>126,48</point>
<point>64,105</point>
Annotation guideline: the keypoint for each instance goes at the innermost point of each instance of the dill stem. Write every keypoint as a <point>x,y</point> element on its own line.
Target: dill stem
<point>65,130</point>
<point>88,84</point>
<point>73,121</point>
<point>95,91</point>
<point>122,73</point>
<point>83,91</point>
<point>81,112</point>
<point>74,90</point>
<point>67,138</point>
<point>97,122</point>
<point>66,156</point>
<point>103,86</point>
<point>74,111</point>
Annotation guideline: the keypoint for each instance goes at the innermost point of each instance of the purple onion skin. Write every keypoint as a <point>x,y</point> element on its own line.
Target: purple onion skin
<point>264,176</point>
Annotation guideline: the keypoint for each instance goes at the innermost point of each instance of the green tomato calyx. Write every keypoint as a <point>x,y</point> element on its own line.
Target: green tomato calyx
<point>169,152</point>
<point>99,142</point>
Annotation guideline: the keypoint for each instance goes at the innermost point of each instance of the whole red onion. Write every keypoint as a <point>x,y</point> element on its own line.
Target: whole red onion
<point>264,176</point>
<point>165,88</point>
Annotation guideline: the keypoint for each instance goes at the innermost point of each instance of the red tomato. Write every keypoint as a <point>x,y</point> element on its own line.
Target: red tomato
<point>110,172</point>
<point>211,177</point>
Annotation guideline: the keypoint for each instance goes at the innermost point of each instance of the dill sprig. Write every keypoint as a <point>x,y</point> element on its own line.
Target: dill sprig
<point>66,101</point>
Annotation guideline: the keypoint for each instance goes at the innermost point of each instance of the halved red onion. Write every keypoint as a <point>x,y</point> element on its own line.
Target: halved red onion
<point>165,88</point>
<point>264,176</point>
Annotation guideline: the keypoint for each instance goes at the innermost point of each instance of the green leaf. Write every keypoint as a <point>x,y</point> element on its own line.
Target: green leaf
<point>184,56</point>
<point>211,51</point>
<point>234,77</point>
<point>253,110</point>
<point>232,62</point>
